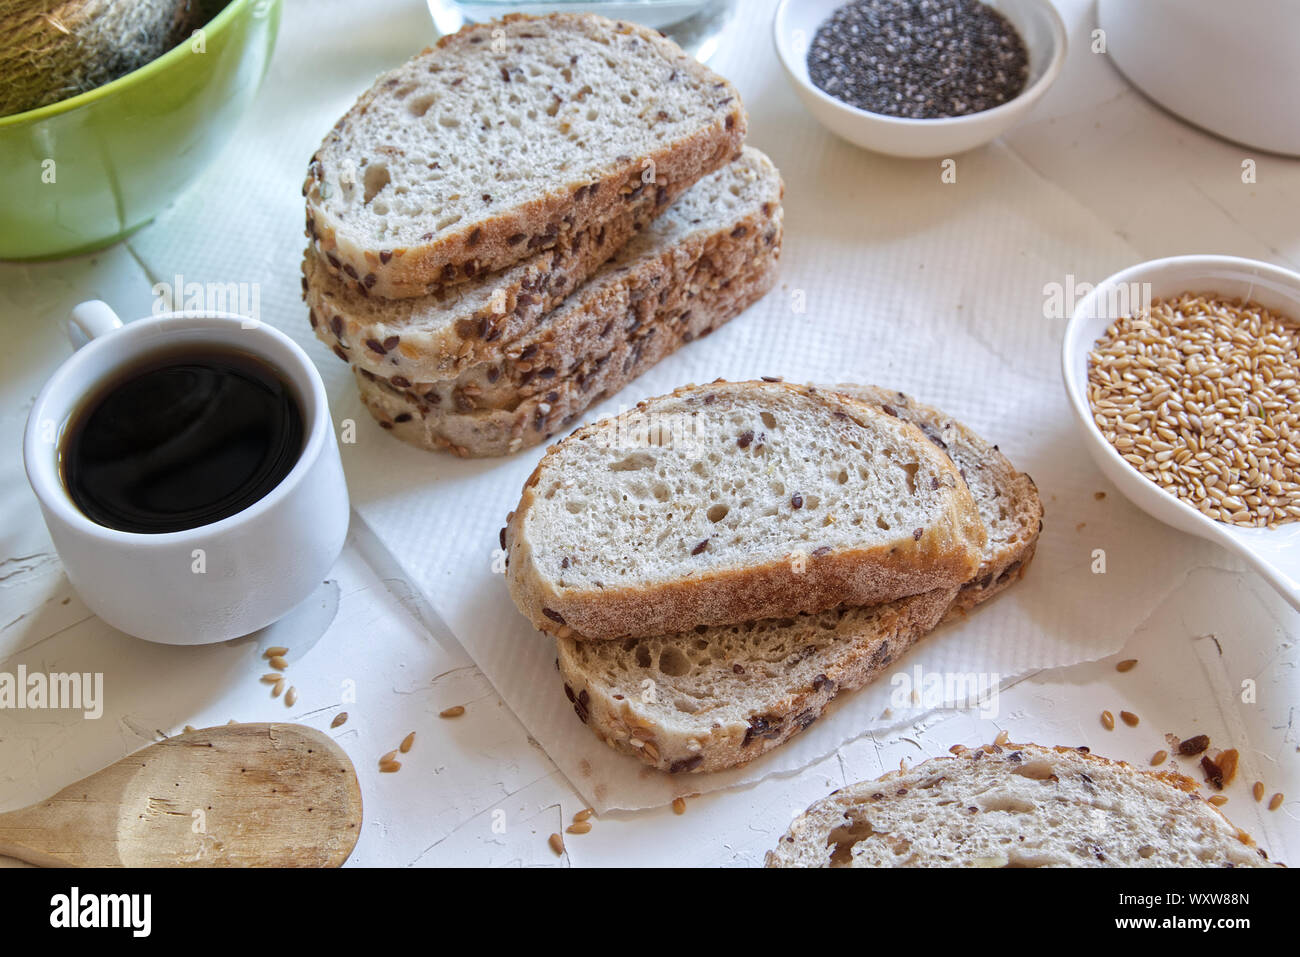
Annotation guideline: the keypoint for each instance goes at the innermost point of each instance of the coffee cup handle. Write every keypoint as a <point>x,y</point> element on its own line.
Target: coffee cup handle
<point>91,319</point>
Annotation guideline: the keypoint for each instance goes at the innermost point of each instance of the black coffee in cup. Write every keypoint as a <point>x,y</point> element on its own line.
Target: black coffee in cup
<point>180,438</point>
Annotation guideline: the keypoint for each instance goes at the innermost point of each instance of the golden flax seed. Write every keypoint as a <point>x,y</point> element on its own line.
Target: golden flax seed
<point>339,719</point>
<point>1129,718</point>
<point>1200,394</point>
<point>1128,664</point>
<point>454,712</point>
<point>291,697</point>
<point>679,805</point>
<point>1159,758</point>
<point>1258,790</point>
<point>582,815</point>
<point>1108,721</point>
<point>557,844</point>
<point>278,651</point>
<point>407,741</point>
<point>581,827</point>
<point>1275,801</point>
<point>279,663</point>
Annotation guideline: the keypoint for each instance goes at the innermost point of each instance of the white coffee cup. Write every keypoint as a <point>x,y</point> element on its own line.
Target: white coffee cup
<point>216,581</point>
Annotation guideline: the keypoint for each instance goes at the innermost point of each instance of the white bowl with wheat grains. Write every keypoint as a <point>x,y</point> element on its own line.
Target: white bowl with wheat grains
<point>1192,410</point>
<point>794,30</point>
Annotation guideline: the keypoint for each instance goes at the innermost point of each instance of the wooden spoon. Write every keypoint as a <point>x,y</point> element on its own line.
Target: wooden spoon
<point>240,795</point>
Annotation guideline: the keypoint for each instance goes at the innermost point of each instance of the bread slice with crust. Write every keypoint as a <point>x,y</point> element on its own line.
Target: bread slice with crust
<point>467,349</point>
<point>702,262</point>
<point>723,696</point>
<point>1008,500</point>
<point>714,698</point>
<point>1017,805</point>
<point>728,502</point>
<point>503,139</point>
<point>438,336</point>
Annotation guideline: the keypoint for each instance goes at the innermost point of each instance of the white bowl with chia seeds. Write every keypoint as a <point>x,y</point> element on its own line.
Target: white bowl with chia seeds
<point>795,29</point>
<point>1273,551</point>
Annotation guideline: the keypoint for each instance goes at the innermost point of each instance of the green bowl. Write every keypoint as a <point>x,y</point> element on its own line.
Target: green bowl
<point>82,173</point>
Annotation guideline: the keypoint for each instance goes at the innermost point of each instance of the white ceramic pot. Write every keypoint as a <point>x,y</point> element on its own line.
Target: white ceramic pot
<point>1232,68</point>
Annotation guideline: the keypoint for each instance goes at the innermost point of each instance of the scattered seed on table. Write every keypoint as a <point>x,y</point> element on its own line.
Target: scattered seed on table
<point>1159,758</point>
<point>1108,721</point>
<point>390,756</point>
<point>279,663</point>
<point>279,651</point>
<point>582,815</point>
<point>1258,790</point>
<point>271,677</point>
<point>1227,762</point>
<point>920,60</point>
<point>291,697</point>
<point>581,827</point>
<point>1129,718</point>
<point>453,712</point>
<point>1128,664</point>
<point>407,741</point>
<point>557,844</point>
<point>388,767</point>
<point>1275,801</point>
<point>679,805</point>
<point>1218,800</point>
<point>1002,738</point>
<point>339,719</point>
<point>279,686</point>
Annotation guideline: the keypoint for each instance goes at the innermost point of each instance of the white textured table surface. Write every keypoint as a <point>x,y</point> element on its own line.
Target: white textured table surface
<point>477,790</point>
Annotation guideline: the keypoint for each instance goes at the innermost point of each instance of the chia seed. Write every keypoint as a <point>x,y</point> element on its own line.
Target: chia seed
<point>919,59</point>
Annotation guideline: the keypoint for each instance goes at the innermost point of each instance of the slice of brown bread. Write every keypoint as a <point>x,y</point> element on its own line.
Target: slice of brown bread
<point>1017,805</point>
<point>714,698</point>
<point>538,416</point>
<point>726,695</point>
<point>440,335</point>
<point>700,264</point>
<point>505,137</point>
<point>1008,500</point>
<point>462,348</point>
<point>720,503</point>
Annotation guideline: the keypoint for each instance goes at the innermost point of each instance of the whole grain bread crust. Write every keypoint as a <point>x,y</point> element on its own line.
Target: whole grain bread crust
<point>856,661</point>
<point>501,240</point>
<point>362,330</point>
<point>598,342</point>
<point>539,416</point>
<point>1181,787</point>
<point>945,554</point>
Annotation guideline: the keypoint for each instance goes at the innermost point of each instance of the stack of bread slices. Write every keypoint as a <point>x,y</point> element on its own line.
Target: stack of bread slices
<point>717,564</point>
<point>517,222</point>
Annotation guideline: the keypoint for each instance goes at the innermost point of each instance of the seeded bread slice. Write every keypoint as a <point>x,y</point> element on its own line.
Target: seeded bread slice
<point>703,262</point>
<point>535,418</point>
<point>1008,500</point>
<point>433,337</point>
<point>1017,805</point>
<point>507,135</point>
<point>728,502</point>
<point>725,224</point>
<point>714,698</point>
<point>726,695</point>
